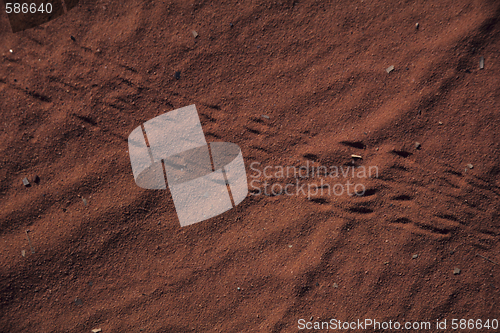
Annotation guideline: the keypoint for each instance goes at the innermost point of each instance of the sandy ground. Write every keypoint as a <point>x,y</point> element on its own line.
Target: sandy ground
<point>293,83</point>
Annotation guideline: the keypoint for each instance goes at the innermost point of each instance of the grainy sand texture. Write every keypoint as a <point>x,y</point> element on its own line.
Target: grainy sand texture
<point>298,84</point>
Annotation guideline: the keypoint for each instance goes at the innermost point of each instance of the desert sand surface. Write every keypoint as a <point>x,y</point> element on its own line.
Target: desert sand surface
<point>292,83</point>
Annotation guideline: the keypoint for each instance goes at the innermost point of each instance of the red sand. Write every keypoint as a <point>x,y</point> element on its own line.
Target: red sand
<point>122,263</point>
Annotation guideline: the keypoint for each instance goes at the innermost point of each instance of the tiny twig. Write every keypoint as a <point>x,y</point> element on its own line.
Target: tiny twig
<point>29,241</point>
<point>486,258</point>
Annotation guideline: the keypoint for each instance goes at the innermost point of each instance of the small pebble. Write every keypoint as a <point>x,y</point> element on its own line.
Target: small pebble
<point>389,69</point>
<point>440,123</point>
<point>481,63</point>
<point>415,256</point>
<point>264,116</point>
<point>195,34</point>
<point>177,75</point>
<point>417,25</point>
<point>239,289</point>
<point>456,271</point>
<point>335,285</point>
<point>26,182</point>
<point>23,253</point>
<point>11,51</point>
<point>470,166</point>
<point>84,201</point>
<point>418,145</point>
<point>96,330</point>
